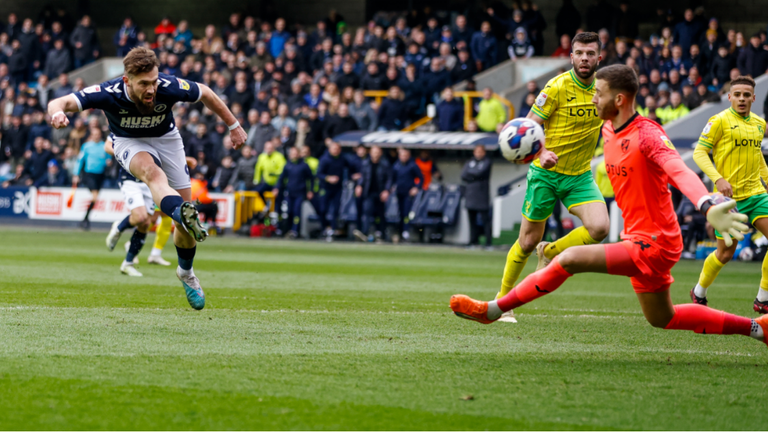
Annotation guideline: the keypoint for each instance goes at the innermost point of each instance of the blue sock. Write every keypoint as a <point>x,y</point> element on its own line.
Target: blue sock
<point>171,205</point>
<point>186,256</point>
<point>125,224</point>
<point>137,242</point>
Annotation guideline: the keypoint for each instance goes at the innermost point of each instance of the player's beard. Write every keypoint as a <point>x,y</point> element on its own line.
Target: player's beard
<point>585,75</point>
<point>608,111</point>
<point>144,109</point>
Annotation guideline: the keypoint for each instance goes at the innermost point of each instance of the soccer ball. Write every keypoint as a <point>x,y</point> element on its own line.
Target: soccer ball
<point>521,140</point>
<point>718,198</point>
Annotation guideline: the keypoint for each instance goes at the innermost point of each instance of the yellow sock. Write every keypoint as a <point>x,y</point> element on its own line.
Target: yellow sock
<point>578,237</point>
<point>712,267</point>
<point>516,260</point>
<point>163,232</point>
<point>764,280</point>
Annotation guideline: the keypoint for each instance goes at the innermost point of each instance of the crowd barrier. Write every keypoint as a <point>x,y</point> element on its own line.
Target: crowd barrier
<point>51,204</point>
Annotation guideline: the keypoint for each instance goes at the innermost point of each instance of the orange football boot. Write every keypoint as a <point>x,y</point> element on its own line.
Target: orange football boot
<point>465,307</point>
<point>762,321</point>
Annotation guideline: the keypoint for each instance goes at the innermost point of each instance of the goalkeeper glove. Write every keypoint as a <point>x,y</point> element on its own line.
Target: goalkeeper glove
<point>727,223</point>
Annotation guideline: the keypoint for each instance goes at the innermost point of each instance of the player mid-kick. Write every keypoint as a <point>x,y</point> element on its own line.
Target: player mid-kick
<point>148,145</point>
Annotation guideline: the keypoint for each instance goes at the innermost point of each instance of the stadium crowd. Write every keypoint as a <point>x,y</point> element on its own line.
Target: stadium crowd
<point>296,87</point>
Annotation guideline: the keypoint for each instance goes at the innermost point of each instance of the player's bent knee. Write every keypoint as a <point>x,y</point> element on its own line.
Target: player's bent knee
<point>599,232</point>
<point>658,321</point>
<point>726,255</point>
<point>567,260</point>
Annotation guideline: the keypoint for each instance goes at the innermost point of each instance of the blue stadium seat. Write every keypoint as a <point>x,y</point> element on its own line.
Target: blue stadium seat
<point>348,211</point>
<point>427,207</point>
<point>391,210</point>
<point>450,205</point>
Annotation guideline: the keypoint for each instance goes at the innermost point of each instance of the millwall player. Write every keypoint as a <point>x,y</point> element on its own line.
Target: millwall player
<point>148,145</point>
<point>734,137</point>
<point>563,171</point>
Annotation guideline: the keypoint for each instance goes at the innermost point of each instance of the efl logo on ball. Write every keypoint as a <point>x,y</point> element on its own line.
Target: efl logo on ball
<point>521,140</point>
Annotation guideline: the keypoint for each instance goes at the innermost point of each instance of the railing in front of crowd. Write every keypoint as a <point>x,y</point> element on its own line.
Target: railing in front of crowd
<point>248,204</point>
<point>466,96</point>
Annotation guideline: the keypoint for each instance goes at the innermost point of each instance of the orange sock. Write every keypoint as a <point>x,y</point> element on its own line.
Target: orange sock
<point>534,286</point>
<point>704,320</point>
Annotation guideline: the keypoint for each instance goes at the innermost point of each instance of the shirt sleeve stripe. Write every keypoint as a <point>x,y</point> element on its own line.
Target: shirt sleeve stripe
<point>706,144</point>
<point>538,112</point>
<point>79,104</point>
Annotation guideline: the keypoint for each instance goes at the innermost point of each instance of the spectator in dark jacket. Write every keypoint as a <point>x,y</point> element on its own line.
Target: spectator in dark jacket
<point>245,169</point>
<point>720,71</point>
<point>483,46</point>
<point>30,44</point>
<point>55,176</point>
<point>687,32</point>
<point>330,171</point>
<point>296,184</point>
<point>58,60</point>
<point>393,111</point>
<point>223,174</point>
<point>17,63</point>
<point>339,123</point>
<point>36,166</point>
<point>85,42</point>
<point>15,140</point>
<point>753,60</point>
<point>374,79</point>
<point>450,113</point>
<point>362,112</point>
<point>461,31</point>
<point>404,185</point>
<point>127,37</point>
<point>435,79</point>
<point>373,188</point>
<point>465,67</point>
<point>477,174</point>
<point>349,78</point>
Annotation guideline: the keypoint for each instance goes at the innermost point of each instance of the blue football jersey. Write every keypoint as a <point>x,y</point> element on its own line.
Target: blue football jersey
<point>124,118</point>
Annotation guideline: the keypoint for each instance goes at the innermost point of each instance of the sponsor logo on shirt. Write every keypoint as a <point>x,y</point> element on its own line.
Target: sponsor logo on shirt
<point>707,128</point>
<point>141,122</point>
<point>183,84</point>
<point>92,89</point>
<point>541,99</point>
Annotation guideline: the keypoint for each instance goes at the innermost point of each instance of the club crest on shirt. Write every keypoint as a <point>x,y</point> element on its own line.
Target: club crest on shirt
<point>541,99</point>
<point>624,145</point>
<point>160,108</point>
<point>761,130</point>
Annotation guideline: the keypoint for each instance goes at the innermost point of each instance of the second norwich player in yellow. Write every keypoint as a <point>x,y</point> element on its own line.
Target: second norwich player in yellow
<point>735,138</point>
<point>563,171</point>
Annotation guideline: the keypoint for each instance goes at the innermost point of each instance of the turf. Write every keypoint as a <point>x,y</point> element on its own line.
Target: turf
<point>303,335</point>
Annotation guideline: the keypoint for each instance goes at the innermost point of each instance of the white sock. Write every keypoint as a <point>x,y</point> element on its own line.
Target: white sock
<point>156,252</point>
<point>494,311</point>
<point>190,272</point>
<point>757,331</point>
<point>762,295</point>
<point>700,291</point>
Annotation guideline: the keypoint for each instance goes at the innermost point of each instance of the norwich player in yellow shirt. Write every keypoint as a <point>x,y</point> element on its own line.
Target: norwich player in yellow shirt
<point>735,138</point>
<point>563,171</point>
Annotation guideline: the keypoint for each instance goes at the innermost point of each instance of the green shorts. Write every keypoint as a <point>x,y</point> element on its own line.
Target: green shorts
<point>546,187</point>
<point>755,207</point>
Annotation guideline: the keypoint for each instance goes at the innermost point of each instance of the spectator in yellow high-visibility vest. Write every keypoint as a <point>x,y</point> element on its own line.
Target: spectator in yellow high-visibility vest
<point>490,113</point>
<point>674,110</point>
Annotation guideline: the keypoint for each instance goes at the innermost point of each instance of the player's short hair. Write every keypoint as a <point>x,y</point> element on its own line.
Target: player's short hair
<point>743,80</point>
<point>140,60</point>
<point>586,38</point>
<point>621,78</point>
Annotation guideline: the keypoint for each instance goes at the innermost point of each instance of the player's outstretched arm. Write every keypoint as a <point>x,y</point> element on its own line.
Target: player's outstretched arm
<point>215,104</point>
<point>547,158</point>
<point>59,106</point>
<point>701,157</point>
<point>720,216</point>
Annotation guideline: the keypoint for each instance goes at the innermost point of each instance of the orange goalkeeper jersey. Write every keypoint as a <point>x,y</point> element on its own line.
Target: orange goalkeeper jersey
<point>634,156</point>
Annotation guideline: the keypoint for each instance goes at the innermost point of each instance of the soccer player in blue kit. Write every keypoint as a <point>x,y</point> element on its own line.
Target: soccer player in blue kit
<point>148,145</point>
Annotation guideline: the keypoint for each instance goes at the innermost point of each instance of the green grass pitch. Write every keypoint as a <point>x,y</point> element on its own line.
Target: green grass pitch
<point>339,336</point>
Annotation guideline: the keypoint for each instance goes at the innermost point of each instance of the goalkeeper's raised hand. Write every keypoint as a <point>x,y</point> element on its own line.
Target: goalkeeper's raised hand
<point>727,223</point>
